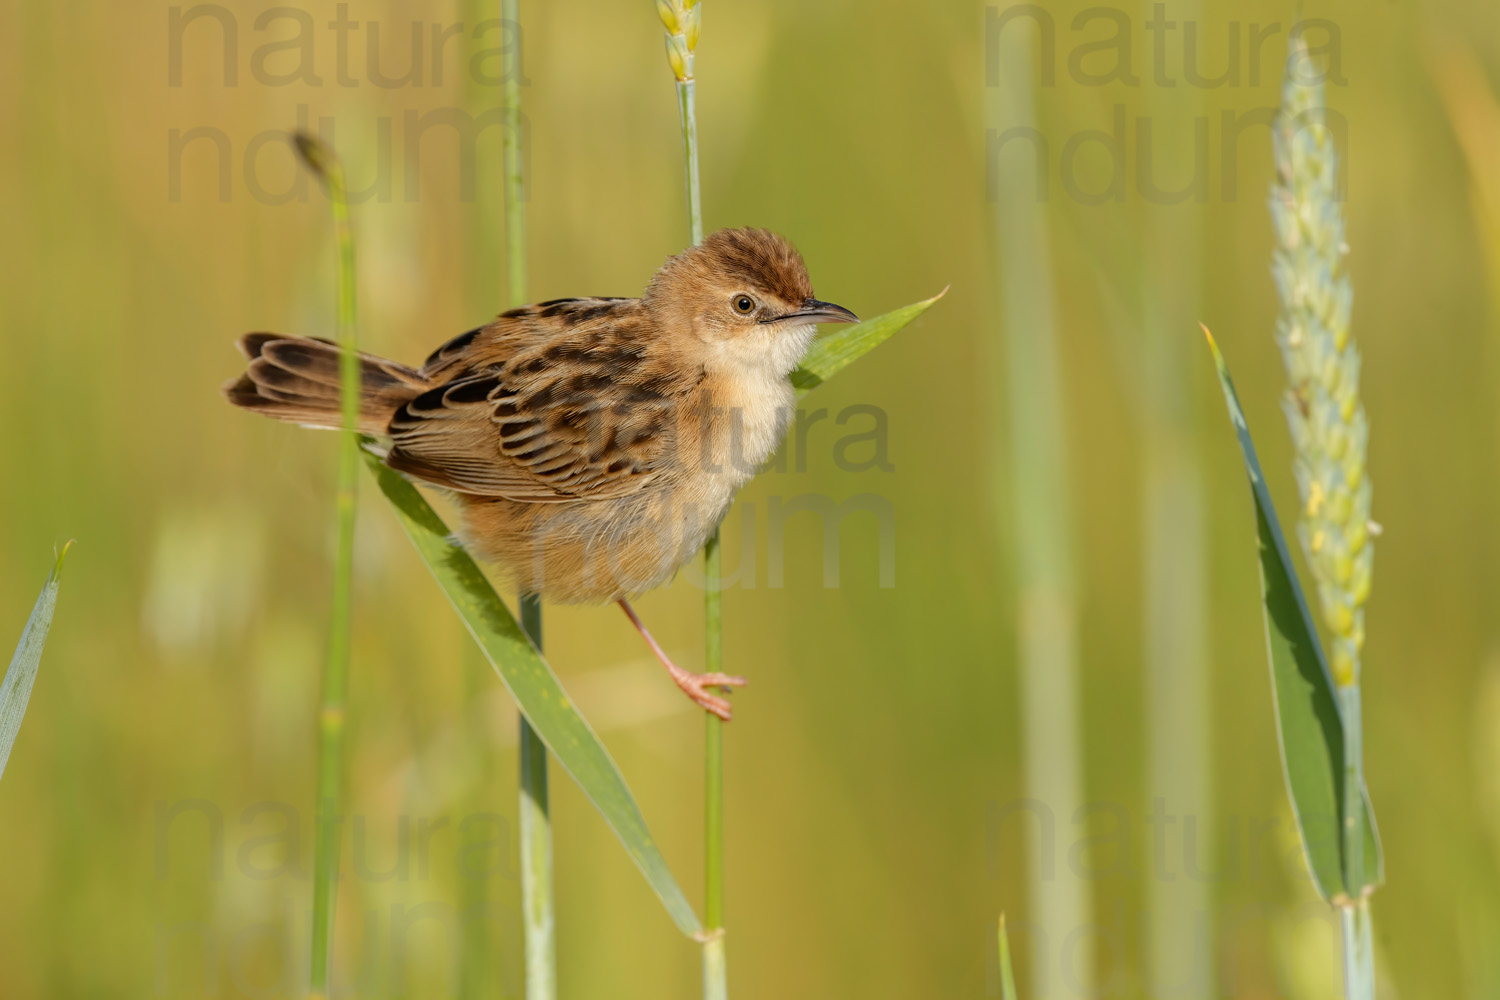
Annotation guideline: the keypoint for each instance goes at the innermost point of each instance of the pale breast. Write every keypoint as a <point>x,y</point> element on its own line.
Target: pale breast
<point>720,432</point>
<point>750,415</point>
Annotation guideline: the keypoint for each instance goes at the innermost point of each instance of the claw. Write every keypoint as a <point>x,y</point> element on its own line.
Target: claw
<point>695,685</point>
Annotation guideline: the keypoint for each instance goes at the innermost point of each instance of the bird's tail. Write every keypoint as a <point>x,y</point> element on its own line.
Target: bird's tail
<point>297,379</point>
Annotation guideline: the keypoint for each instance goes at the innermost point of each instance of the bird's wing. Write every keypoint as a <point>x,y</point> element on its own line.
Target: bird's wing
<point>548,404</point>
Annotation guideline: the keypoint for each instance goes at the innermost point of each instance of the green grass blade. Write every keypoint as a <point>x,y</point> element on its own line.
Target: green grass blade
<point>1007,974</point>
<point>534,687</point>
<point>15,690</point>
<point>832,354</point>
<point>1309,728</point>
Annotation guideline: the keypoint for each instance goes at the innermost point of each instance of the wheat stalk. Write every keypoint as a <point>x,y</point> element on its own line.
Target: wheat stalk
<point>324,162</point>
<point>683,19</point>
<point>1329,435</point>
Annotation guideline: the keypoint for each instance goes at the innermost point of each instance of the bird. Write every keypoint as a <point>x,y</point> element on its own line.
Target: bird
<point>592,444</point>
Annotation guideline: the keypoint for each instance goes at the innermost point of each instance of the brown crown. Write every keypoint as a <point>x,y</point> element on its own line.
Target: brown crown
<point>756,259</point>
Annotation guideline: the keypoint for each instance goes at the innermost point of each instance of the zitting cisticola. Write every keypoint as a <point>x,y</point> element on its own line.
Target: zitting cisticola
<point>593,444</point>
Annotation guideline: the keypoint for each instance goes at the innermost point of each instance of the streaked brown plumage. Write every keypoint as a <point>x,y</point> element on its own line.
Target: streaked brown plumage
<point>593,443</point>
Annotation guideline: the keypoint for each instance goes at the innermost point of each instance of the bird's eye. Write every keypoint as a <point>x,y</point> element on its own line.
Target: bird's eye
<point>744,305</point>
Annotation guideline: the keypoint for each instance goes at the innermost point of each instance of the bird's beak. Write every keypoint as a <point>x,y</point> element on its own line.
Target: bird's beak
<point>817,311</point>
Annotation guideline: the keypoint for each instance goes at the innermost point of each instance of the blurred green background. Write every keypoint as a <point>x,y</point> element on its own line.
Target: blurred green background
<point>156,816</point>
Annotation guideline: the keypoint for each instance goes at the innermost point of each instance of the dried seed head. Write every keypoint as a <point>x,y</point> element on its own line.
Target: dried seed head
<point>1322,404</point>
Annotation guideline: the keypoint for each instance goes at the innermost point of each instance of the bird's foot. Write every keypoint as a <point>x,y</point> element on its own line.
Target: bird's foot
<point>696,686</point>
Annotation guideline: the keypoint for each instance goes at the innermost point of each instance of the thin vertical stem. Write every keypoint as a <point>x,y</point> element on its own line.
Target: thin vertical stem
<point>536,843</point>
<point>1359,954</point>
<point>1359,951</point>
<point>713,806</point>
<point>1179,953</point>
<point>515,170</point>
<point>1354,783</point>
<point>535,822</point>
<point>1040,526</point>
<point>715,984</point>
<point>715,976</point>
<point>687,105</point>
<point>332,717</point>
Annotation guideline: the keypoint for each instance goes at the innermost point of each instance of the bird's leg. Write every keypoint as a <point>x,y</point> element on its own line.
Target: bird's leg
<point>694,685</point>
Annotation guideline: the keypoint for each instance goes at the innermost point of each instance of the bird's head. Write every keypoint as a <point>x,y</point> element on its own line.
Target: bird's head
<point>743,297</point>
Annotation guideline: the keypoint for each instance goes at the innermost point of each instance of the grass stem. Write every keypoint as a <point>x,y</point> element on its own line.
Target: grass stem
<point>1178,704</point>
<point>1359,951</point>
<point>537,897</point>
<point>687,106</point>
<point>333,714</point>
<point>515,162</point>
<point>682,19</point>
<point>1040,523</point>
<point>535,822</point>
<point>1354,783</point>
<point>715,984</point>
<point>1359,956</point>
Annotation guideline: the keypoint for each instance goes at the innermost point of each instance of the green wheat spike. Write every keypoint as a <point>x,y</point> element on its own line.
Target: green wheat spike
<point>1322,399</point>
